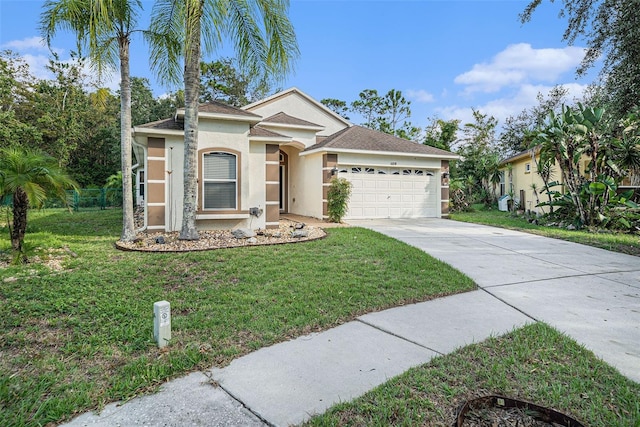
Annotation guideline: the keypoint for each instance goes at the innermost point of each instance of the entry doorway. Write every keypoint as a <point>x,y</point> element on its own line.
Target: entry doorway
<point>284,193</point>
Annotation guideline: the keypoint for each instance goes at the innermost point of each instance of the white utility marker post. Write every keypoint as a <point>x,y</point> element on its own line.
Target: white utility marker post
<point>162,322</point>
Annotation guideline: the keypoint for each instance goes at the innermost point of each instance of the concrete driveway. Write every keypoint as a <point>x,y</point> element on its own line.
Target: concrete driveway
<point>591,294</point>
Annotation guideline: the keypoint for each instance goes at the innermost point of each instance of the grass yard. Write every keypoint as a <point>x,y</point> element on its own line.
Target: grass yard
<point>534,363</point>
<point>77,328</point>
<point>617,242</point>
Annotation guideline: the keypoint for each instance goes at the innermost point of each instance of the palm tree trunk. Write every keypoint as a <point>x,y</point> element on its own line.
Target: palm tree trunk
<point>20,207</point>
<point>191,90</point>
<point>128,231</point>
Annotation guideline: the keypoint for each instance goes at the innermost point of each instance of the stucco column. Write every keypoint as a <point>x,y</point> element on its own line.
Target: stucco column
<point>329,162</point>
<point>272,184</point>
<point>156,184</point>
<point>444,188</point>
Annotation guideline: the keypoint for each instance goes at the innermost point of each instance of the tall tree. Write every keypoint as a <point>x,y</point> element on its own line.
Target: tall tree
<point>612,31</point>
<point>264,41</point>
<point>106,27</point>
<point>516,131</point>
<point>337,106</point>
<point>396,110</point>
<point>370,106</point>
<point>441,133</point>
<point>224,81</point>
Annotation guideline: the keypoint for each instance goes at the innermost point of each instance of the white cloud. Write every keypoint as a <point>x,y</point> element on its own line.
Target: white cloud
<point>31,43</point>
<point>501,108</point>
<point>420,95</point>
<point>520,64</point>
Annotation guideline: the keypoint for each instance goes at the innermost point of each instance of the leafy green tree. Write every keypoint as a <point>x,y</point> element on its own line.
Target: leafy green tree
<point>263,38</point>
<point>396,110</point>
<point>370,106</point>
<point>612,31</point>
<point>516,130</point>
<point>30,177</point>
<point>337,106</point>
<point>480,157</point>
<point>224,81</point>
<point>441,133</point>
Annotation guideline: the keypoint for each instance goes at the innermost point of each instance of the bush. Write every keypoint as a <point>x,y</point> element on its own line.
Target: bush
<point>338,199</point>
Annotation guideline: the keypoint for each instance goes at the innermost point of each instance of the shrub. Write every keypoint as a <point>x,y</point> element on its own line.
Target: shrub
<point>338,199</point>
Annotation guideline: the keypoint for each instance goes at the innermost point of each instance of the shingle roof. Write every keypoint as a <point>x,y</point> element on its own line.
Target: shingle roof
<point>260,131</point>
<point>170,124</point>
<point>216,107</point>
<point>361,138</point>
<point>285,119</point>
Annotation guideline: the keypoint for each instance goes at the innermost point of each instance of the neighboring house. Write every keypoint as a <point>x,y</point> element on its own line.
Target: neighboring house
<point>520,175</point>
<point>278,156</point>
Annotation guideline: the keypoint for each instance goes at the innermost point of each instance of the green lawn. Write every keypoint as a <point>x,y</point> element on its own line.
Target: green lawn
<point>77,338</point>
<point>617,242</point>
<point>534,363</point>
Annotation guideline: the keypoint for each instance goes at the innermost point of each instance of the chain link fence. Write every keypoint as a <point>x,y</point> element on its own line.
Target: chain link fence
<point>82,199</point>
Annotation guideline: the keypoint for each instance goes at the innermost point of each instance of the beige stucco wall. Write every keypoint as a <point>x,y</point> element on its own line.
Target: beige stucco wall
<point>305,190</point>
<point>306,137</point>
<point>296,105</point>
<point>382,160</point>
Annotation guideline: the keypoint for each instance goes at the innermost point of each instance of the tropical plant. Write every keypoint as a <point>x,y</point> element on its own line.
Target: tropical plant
<point>591,186</point>
<point>31,178</point>
<point>338,199</point>
<point>106,27</point>
<point>265,43</point>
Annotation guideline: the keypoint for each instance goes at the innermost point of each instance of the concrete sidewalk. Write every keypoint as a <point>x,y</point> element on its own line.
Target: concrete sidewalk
<point>591,294</point>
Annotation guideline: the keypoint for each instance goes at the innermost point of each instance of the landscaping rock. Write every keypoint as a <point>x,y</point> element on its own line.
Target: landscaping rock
<point>160,240</point>
<point>571,227</point>
<point>299,233</point>
<point>243,233</point>
<point>299,225</point>
<point>252,240</point>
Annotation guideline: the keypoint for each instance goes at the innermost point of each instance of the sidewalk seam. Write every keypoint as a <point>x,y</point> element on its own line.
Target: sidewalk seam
<point>398,336</point>
<point>511,305</point>
<point>215,384</point>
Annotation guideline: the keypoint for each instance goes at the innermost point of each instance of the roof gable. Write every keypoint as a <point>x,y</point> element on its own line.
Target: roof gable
<point>295,103</point>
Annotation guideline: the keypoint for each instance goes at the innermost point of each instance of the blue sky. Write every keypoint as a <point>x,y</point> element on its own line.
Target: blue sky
<point>445,56</point>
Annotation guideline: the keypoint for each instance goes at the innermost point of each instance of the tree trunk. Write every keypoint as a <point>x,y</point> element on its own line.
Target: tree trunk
<point>128,227</point>
<point>191,90</point>
<point>20,208</point>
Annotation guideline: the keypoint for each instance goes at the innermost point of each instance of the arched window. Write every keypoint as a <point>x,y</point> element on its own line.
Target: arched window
<point>220,181</point>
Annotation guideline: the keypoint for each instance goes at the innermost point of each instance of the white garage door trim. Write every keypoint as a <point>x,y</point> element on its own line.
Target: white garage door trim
<point>391,192</point>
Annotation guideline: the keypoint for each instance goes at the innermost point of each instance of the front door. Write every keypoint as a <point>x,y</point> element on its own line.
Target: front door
<point>283,181</point>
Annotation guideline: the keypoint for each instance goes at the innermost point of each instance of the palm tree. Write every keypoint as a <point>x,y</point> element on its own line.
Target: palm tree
<point>31,178</point>
<point>264,41</point>
<point>107,27</point>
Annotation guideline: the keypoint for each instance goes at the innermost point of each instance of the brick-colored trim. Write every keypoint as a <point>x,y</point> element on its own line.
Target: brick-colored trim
<point>329,160</point>
<point>444,188</point>
<point>272,184</point>
<point>156,170</point>
<point>155,191</point>
<point>272,215</point>
<point>155,216</point>
<point>272,153</point>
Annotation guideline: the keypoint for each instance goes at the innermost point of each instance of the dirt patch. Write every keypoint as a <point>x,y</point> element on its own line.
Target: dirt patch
<point>288,232</point>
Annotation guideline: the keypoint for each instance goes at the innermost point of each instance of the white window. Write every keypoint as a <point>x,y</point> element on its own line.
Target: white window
<point>220,181</point>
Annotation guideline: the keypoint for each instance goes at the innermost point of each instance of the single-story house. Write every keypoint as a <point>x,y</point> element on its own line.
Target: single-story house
<point>278,155</point>
<point>520,176</point>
